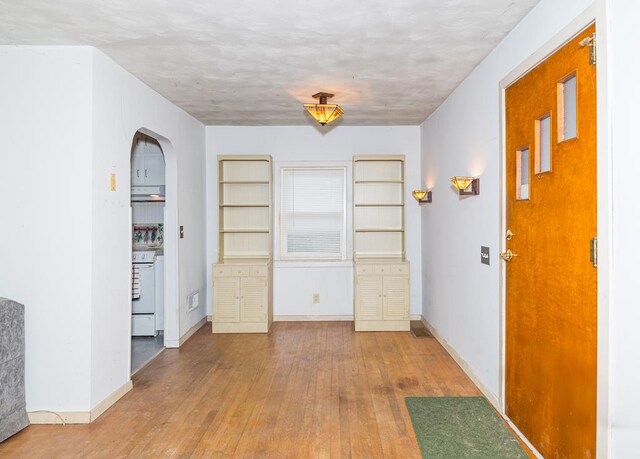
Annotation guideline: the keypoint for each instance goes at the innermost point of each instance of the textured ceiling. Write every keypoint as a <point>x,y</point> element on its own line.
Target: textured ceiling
<point>252,62</point>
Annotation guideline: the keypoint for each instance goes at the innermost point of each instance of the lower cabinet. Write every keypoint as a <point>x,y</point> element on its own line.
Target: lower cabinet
<point>382,297</point>
<point>241,298</point>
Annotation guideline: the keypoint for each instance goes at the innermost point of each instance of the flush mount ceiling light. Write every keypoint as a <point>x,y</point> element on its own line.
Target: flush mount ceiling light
<point>323,112</point>
<point>462,183</point>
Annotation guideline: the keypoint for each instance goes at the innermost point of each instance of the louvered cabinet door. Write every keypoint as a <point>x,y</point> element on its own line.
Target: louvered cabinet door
<point>395,298</point>
<point>226,299</point>
<point>253,299</point>
<point>369,298</point>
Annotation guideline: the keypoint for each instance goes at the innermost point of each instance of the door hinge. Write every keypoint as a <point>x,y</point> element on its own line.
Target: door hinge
<point>593,252</point>
<point>591,43</point>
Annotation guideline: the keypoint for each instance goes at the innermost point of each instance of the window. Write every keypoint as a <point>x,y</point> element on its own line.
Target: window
<point>543,144</point>
<point>567,108</point>
<point>522,174</point>
<point>313,213</point>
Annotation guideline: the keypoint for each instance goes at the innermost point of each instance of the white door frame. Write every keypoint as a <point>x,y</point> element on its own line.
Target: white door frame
<point>171,237</point>
<point>595,13</point>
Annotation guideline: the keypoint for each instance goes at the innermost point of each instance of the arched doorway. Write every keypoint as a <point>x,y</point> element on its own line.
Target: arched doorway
<point>153,234</point>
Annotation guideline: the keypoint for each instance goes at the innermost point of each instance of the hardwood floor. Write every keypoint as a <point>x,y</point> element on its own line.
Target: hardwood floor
<point>305,390</point>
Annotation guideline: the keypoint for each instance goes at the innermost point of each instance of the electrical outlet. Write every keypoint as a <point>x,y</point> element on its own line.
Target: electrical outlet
<point>316,298</point>
<point>193,301</point>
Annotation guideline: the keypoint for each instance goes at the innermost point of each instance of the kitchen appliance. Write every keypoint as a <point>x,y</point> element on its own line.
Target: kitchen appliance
<point>143,304</point>
<point>147,193</point>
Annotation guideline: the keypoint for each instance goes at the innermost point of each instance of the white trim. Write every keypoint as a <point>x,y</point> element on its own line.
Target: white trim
<point>596,12</point>
<point>462,363</point>
<point>277,188</point>
<point>110,400</point>
<point>321,318</point>
<point>79,417</point>
<point>62,417</point>
<point>521,436</point>
<point>171,247</point>
<point>311,318</point>
<point>491,397</point>
<point>209,318</point>
<point>311,256</point>
<point>192,330</point>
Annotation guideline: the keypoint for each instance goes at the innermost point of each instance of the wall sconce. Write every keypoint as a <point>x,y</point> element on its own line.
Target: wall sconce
<point>462,183</point>
<point>419,196</point>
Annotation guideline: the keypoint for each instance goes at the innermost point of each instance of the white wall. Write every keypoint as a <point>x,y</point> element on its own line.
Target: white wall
<point>462,296</point>
<point>294,284</point>
<point>45,216</point>
<point>68,116</point>
<point>122,105</point>
<point>625,315</point>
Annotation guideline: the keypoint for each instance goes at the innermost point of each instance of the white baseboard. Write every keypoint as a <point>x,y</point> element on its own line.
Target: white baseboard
<point>209,318</point>
<point>79,417</point>
<point>321,318</point>
<point>312,318</point>
<point>62,417</point>
<point>471,374</point>
<point>463,364</point>
<point>110,400</point>
<point>192,330</point>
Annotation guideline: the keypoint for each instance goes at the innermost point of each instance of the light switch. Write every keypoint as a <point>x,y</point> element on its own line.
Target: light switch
<point>484,255</point>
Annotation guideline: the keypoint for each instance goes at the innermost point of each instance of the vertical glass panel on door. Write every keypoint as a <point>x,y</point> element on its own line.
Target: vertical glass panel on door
<point>568,109</point>
<point>522,174</point>
<point>543,146</point>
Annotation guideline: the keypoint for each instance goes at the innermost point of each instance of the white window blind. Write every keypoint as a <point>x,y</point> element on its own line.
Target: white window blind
<point>313,221</point>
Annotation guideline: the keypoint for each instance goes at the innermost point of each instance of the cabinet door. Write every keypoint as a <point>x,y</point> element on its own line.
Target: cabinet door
<point>226,299</point>
<point>253,299</point>
<point>369,298</point>
<point>395,292</point>
<point>137,170</point>
<point>154,169</point>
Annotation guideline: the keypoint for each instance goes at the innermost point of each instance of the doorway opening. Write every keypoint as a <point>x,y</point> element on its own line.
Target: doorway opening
<point>154,281</point>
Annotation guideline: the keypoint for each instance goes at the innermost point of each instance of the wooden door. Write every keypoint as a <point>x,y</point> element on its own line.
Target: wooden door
<point>226,299</point>
<point>253,299</point>
<point>395,298</point>
<point>369,298</point>
<point>551,298</point>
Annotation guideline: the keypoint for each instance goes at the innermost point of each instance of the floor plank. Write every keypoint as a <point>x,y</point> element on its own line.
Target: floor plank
<point>313,390</point>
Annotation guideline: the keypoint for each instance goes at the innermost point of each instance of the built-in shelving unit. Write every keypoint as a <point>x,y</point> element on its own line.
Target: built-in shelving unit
<point>381,271</point>
<point>379,207</point>
<point>245,207</point>
<point>242,279</point>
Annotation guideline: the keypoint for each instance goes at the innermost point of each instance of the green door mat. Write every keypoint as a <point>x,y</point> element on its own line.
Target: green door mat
<point>460,427</point>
